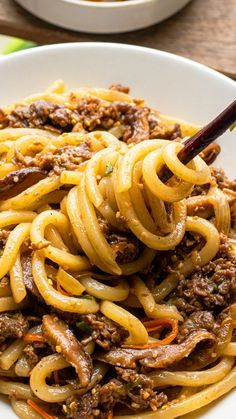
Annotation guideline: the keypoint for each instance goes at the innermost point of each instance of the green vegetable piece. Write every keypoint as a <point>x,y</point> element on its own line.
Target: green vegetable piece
<point>17,44</point>
<point>232,127</point>
<point>87,297</point>
<point>109,168</point>
<point>84,327</point>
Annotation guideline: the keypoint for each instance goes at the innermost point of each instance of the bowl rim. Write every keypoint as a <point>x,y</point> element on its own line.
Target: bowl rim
<point>93,4</point>
<point>119,46</point>
<point>17,56</point>
<point>108,5</point>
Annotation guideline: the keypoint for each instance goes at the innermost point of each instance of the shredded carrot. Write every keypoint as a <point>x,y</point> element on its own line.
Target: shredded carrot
<point>56,377</point>
<point>61,290</point>
<point>154,325</point>
<point>39,409</point>
<point>33,337</point>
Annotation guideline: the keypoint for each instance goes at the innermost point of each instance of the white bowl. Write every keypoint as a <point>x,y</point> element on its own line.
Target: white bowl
<point>104,17</point>
<point>172,84</point>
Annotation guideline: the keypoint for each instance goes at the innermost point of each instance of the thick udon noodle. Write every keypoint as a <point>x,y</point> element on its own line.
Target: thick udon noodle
<point>118,182</point>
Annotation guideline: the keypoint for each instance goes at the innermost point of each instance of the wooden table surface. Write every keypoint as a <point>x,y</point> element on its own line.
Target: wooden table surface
<point>205,31</point>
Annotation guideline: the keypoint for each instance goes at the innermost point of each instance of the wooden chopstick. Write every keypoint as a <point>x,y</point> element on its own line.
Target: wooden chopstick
<point>199,141</point>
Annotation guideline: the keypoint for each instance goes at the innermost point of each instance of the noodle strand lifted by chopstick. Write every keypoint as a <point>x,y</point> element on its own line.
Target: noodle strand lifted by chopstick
<point>116,287</point>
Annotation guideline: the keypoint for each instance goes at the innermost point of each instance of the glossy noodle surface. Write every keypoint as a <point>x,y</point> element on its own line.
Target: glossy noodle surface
<point>117,291</point>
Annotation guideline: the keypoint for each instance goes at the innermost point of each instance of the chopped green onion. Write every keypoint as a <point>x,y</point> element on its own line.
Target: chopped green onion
<point>87,297</point>
<point>84,327</point>
<point>109,168</point>
<point>130,386</point>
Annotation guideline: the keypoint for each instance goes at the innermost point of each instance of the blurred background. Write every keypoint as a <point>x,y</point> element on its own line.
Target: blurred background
<point>10,44</point>
<point>202,30</point>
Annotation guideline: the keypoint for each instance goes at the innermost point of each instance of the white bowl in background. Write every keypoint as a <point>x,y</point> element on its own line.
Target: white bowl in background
<point>103,17</point>
<point>172,84</point>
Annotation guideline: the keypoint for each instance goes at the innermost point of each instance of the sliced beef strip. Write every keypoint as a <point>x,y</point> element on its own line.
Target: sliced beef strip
<point>199,320</point>
<point>155,357</point>
<point>208,353</point>
<point>62,339</point>
<point>105,332</point>
<point>12,326</point>
<point>26,262</point>
<point>15,182</point>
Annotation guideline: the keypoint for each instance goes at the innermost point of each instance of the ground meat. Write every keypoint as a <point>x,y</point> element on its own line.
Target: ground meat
<point>139,388</point>
<point>129,388</point>
<point>105,227</point>
<point>106,333</point>
<point>210,153</point>
<point>95,114</point>
<point>200,190</point>
<point>3,236</point>
<point>88,114</point>
<point>233,218</point>
<point>158,129</point>
<point>83,407</point>
<point>35,351</point>
<point>127,249</point>
<point>136,121</point>
<point>222,180</point>
<point>43,114</point>
<point>212,287</point>
<point>4,284</point>
<point>119,88</point>
<point>218,175</point>
<point>31,354</point>
<point>12,326</point>
<point>3,119</point>
<point>165,261</point>
<point>64,158</point>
